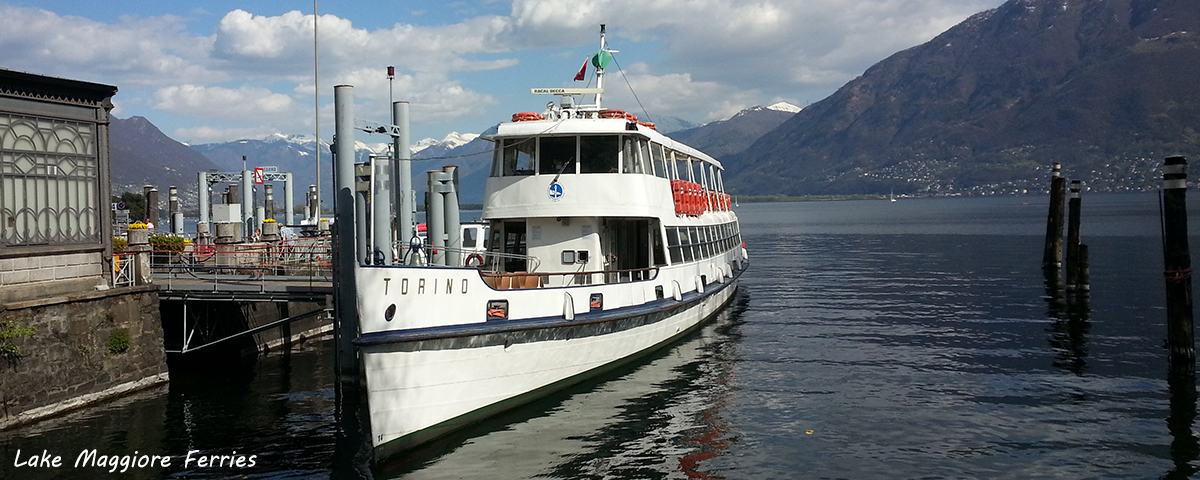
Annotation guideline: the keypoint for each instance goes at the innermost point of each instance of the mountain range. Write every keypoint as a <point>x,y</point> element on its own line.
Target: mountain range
<point>1105,87</point>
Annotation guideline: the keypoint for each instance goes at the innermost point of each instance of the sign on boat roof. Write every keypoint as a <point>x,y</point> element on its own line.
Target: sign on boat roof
<point>566,91</point>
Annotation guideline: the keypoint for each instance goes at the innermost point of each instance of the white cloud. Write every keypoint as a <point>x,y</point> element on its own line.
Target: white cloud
<point>132,52</point>
<point>246,102</point>
<point>253,73</point>
<point>208,134</point>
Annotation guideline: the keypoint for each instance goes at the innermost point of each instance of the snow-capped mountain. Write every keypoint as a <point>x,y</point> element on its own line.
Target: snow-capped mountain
<point>297,154</point>
<point>450,142</point>
<point>784,107</point>
<point>724,138</point>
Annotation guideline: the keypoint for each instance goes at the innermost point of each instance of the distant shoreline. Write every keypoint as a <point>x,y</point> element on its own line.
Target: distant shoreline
<point>805,198</point>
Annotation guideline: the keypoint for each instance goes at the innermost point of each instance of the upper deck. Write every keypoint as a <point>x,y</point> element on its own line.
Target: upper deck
<point>589,162</point>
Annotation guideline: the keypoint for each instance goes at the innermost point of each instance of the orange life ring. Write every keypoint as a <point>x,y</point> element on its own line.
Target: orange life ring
<point>612,113</point>
<point>474,260</point>
<point>649,125</point>
<point>527,116</point>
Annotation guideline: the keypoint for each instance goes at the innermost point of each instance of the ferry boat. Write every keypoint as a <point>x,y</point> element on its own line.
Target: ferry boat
<point>607,239</point>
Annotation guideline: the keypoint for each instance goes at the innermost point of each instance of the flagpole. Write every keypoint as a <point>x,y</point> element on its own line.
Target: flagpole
<point>317,109</point>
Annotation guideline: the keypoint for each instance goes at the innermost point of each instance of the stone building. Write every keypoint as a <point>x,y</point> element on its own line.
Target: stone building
<point>68,334</point>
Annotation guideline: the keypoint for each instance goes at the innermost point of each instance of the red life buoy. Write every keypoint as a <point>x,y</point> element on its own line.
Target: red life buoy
<point>474,260</point>
<point>527,116</point>
<point>612,113</point>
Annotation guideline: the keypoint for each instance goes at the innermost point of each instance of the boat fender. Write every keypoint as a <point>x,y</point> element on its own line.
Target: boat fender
<point>474,260</point>
<point>568,307</point>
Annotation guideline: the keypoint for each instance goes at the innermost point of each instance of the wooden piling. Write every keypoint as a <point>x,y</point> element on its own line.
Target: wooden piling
<point>1052,257</point>
<point>1083,271</point>
<point>1177,266</point>
<point>1073,214</point>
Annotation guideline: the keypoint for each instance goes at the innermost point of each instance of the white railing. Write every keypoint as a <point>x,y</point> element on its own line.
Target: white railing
<point>123,270</point>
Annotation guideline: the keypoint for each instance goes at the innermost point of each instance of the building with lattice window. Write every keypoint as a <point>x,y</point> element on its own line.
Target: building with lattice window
<point>69,335</point>
<point>54,189</point>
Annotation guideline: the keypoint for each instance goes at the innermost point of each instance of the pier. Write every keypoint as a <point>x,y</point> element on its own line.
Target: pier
<point>270,293</point>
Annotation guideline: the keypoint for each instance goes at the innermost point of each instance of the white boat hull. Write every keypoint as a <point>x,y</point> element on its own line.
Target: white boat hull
<point>420,387</point>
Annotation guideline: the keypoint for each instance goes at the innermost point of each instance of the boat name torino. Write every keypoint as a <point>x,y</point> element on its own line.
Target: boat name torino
<point>421,286</point>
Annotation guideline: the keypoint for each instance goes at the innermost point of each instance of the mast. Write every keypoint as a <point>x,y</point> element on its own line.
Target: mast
<point>601,60</point>
<point>598,61</point>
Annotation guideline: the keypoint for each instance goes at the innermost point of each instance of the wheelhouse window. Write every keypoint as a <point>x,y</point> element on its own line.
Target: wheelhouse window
<point>515,157</point>
<point>598,153</point>
<point>558,155</point>
<point>631,156</point>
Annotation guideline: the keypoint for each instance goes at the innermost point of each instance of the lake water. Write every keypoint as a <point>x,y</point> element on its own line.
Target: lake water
<point>870,339</point>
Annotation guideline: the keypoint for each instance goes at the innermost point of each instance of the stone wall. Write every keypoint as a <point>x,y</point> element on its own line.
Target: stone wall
<point>86,347</point>
<point>31,276</point>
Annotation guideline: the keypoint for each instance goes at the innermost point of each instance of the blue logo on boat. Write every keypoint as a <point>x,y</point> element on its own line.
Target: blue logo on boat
<point>556,191</point>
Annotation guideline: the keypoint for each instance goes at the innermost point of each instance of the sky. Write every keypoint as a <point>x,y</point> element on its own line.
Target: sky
<point>220,70</point>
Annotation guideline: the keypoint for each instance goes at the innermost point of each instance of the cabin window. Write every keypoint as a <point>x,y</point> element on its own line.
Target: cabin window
<point>660,164</point>
<point>514,158</point>
<point>631,156</point>
<point>598,153</point>
<point>557,155</point>
<point>470,237</point>
<point>644,154</point>
<point>673,245</point>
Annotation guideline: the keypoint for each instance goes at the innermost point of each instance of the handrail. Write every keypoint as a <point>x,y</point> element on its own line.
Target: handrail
<point>497,279</point>
<point>489,257</point>
<point>239,263</point>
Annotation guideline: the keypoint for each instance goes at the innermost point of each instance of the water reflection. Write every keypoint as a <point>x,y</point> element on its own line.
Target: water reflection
<point>657,417</point>
<point>1071,314</point>
<point>1185,448</point>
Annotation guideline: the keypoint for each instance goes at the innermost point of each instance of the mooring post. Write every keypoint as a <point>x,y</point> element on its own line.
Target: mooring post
<point>1177,266</point>
<point>345,318</point>
<point>404,199</point>
<point>151,194</point>
<point>204,194</point>
<point>288,208</point>
<point>1083,271</point>
<point>435,217</point>
<point>173,210</point>
<point>1052,257</point>
<point>247,191</point>
<point>1073,206</point>
<point>452,225</point>
<point>381,216</point>
<point>269,201</point>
